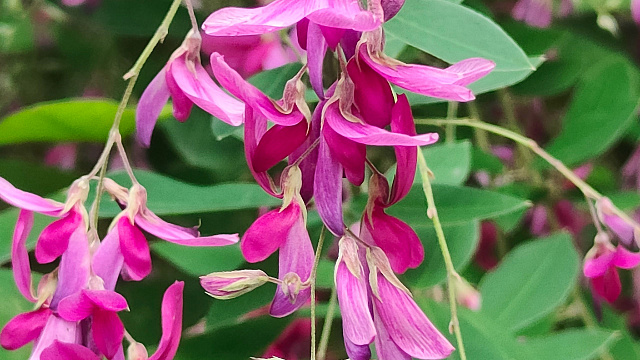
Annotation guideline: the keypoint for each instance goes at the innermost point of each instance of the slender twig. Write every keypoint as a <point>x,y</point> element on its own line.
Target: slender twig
<point>452,275</point>
<point>326,327</point>
<point>314,273</point>
<point>452,113</point>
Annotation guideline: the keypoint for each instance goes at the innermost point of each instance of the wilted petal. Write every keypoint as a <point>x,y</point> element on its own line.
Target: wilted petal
<point>317,49</point>
<point>65,351</point>
<point>153,99</point>
<point>625,259</point>
<point>24,328</point>
<point>73,273</point>
<point>108,259</point>
<point>152,224</point>
<point>406,156</point>
<point>296,256</point>
<point>171,322</point>
<point>28,201</point>
<point>397,239</point>
<point>20,255</point>
<point>277,143</point>
<point>268,232</point>
<point>371,135</point>
<point>252,96</point>
<point>407,325</point>
<point>349,153</point>
<point>108,331</point>
<point>201,89</point>
<point>357,324</point>
<point>54,239</point>
<point>328,189</point>
<point>372,96</point>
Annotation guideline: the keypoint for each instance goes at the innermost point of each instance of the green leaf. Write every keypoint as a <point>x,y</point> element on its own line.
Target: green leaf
<point>575,344</point>
<point>198,261</point>
<point>603,107</point>
<point>12,304</point>
<point>66,120</point>
<point>449,162</point>
<point>456,205</point>
<point>531,281</point>
<point>140,18</point>
<point>427,25</point>
<point>461,239</point>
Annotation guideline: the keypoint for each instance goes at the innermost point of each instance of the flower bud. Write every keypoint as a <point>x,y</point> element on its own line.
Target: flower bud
<point>467,295</point>
<point>137,351</point>
<point>230,284</point>
<point>291,286</point>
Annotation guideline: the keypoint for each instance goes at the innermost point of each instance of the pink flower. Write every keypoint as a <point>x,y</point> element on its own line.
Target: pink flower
<point>635,11</point>
<point>538,13</point>
<point>631,169</point>
<point>63,156</point>
<point>601,264</point>
<point>285,230</point>
<point>375,306</point>
<point>623,228</point>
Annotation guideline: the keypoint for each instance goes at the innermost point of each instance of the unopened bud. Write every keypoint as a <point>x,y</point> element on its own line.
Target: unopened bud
<point>230,284</point>
<point>467,295</point>
<point>291,285</point>
<point>120,193</point>
<point>137,351</point>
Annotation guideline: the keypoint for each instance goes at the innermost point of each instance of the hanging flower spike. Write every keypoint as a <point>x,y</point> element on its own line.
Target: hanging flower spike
<point>601,264</point>
<point>187,83</point>
<point>284,229</point>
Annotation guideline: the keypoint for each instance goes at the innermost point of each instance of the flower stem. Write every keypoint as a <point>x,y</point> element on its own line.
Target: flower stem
<point>432,213</point>
<point>452,113</point>
<point>326,327</point>
<point>314,272</point>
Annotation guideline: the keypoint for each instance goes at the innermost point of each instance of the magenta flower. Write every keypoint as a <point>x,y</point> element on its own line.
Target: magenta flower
<point>125,247</point>
<point>187,83</point>
<point>285,230</point>
<point>601,264</point>
<point>381,310</point>
<point>538,13</point>
<point>625,230</point>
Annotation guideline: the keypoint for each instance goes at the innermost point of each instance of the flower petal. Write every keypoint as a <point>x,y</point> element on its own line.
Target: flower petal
<point>28,201</point>
<point>24,328</point>
<point>107,332</point>
<point>533,12</point>
<point>308,164</point>
<point>372,96</point>
<point>599,264</point>
<point>106,300</point>
<point>625,259</point>
<point>201,89</point>
<point>56,329</point>
<point>20,255</point>
<point>608,286</point>
<point>391,8</point>
<point>345,14</point>
<point>54,239</point>
<point>59,351</point>
<point>108,259</point>
<point>171,322</point>
<point>252,96</point>
<point>356,352</point>
<point>357,324</point>
<point>371,135</point>
<point>75,307</point>
<point>408,326</point>
<point>255,127</point>
<point>296,256</point>
<point>397,239</point>
<point>153,99</point>
<point>181,103</point>
<point>315,58</point>
<point>268,232</point>
<point>349,153</point>
<point>134,248</point>
<point>385,347</point>
<point>277,143</point>
<point>73,273</point>
<point>149,222</point>
<point>406,156</point>
<point>328,189</point>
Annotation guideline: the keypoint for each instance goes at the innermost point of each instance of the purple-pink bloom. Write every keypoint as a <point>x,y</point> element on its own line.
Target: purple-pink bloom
<point>601,264</point>
<point>538,13</point>
<point>625,230</point>
<point>635,11</point>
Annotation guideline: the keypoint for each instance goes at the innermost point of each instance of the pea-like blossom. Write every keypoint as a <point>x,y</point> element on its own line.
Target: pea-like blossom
<point>601,264</point>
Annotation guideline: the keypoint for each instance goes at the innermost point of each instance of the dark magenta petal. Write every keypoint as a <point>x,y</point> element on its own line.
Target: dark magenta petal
<point>406,156</point>
<point>268,232</point>
<point>328,189</point>
<point>182,105</point>
<point>332,35</point>
<point>278,143</point>
<point>302,31</point>
<point>308,164</point>
<point>20,255</point>
<point>349,153</point>
<point>397,239</point>
<point>135,249</point>
<point>356,352</point>
<point>315,58</point>
<point>107,332</point>
<point>66,351</point>
<point>608,286</point>
<point>54,239</point>
<point>372,96</point>
<point>391,8</point>
<point>24,328</point>
<point>171,322</point>
<point>254,128</point>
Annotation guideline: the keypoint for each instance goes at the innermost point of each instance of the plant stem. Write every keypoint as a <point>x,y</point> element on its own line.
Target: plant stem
<point>480,135</point>
<point>452,276</point>
<point>314,272</point>
<point>452,113</point>
<point>326,327</point>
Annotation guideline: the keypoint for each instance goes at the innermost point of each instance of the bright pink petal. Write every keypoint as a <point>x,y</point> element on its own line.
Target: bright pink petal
<point>373,96</point>
<point>599,264</point>
<point>180,102</point>
<point>254,128</point>
<point>397,239</point>
<point>201,89</point>
<point>406,156</point>
<point>357,323</point>
<point>407,325</point>
<point>296,256</point>
<point>56,329</point>
<point>74,271</point>
<point>171,322</point>
<point>107,332</point>
<point>328,189</point>
<point>332,35</point>
<point>155,226</point>
<point>54,239</point>
<point>277,143</point>
<point>28,201</point>
<point>345,14</point>
<point>134,248</point>
<point>608,286</point>
<point>471,70</point>
<point>252,96</point>
<point>75,307</point>
<point>268,232</point>
<point>106,300</point>
<point>24,328</point>
<point>108,260</point>
<point>153,99</point>
<point>371,135</point>
<point>65,351</point>
<point>386,348</point>
<point>20,255</point>
<point>315,58</point>
<point>625,259</point>
<point>349,153</point>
